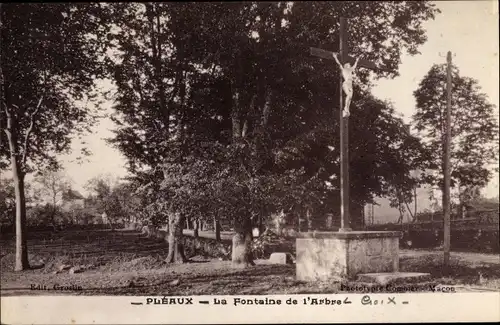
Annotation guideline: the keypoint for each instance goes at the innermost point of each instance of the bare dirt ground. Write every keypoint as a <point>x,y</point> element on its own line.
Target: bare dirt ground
<point>126,263</point>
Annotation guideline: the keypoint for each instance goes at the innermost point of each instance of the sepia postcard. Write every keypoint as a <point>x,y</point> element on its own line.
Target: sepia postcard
<point>249,162</point>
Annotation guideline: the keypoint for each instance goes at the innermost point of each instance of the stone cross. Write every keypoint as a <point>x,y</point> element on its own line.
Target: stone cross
<point>343,57</point>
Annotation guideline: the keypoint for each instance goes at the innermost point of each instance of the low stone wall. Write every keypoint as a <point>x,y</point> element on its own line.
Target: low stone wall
<point>207,247</point>
<point>262,247</point>
<point>134,226</point>
<point>11,229</point>
<point>154,232</point>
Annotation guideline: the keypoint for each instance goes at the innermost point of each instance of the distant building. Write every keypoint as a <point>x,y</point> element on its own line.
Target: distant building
<point>71,199</point>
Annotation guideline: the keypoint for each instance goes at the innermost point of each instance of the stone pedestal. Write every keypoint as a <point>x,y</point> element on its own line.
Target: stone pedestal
<point>323,256</point>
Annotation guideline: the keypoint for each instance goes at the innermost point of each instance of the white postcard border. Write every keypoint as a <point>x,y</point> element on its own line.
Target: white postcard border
<point>420,307</point>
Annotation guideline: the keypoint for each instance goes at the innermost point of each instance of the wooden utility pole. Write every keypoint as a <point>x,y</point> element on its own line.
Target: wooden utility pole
<point>446,171</point>
<point>343,57</point>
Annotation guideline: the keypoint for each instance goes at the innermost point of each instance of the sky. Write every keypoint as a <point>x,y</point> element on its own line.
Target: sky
<point>469,29</point>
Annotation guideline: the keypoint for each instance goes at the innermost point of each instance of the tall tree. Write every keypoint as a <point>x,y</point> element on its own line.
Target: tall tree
<point>50,57</point>
<point>474,129</point>
<point>248,109</point>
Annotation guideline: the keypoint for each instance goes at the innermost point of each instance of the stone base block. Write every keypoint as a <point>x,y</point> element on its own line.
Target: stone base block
<point>326,256</point>
<point>280,258</point>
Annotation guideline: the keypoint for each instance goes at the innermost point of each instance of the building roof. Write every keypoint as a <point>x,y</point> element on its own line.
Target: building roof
<point>71,195</point>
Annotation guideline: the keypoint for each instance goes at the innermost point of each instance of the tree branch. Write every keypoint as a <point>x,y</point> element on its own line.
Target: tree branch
<point>8,129</point>
<point>30,129</point>
<point>9,118</point>
<point>245,170</point>
<point>266,109</point>
<point>409,210</point>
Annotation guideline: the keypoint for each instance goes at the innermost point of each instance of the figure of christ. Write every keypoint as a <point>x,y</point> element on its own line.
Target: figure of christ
<point>347,74</point>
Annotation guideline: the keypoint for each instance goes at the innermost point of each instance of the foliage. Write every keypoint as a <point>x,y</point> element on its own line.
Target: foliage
<point>474,129</point>
<point>261,245</point>
<point>278,221</point>
<point>7,201</point>
<point>241,120</point>
<point>145,199</point>
<point>56,50</point>
<point>45,215</point>
<point>82,216</point>
<point>51,56</point>
<point>108,196</point>
<point>100,186</point>
<point>481,203</point>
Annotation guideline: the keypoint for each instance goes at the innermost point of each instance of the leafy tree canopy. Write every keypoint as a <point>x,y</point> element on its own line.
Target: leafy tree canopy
<point>244,114</point>
<point>474,128</point>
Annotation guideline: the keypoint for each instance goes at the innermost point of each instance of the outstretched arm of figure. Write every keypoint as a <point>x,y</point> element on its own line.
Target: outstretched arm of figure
<point>356,63</point>
<point>337,60</point>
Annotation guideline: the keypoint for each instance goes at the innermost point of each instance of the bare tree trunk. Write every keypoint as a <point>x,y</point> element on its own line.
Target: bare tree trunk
<point>414,213</point>
<point>363,218</point>
<point>309,220</point>
<point>236,115</point>
<point>415,198</point>
<point>196,228</point>
<point>400,219</point>
<point>242,245</point>
<point>217,228</point>
<point>176,240</point>
<point>266,110</point>
<point>22,262</point>
<point>53,210</point>
<point>461,203</point>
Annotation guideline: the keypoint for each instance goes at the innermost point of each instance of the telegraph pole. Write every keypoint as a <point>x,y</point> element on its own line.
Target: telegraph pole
<point>447,172</point>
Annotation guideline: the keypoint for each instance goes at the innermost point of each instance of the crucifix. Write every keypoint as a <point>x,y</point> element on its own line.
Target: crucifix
<point>346,79</point>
